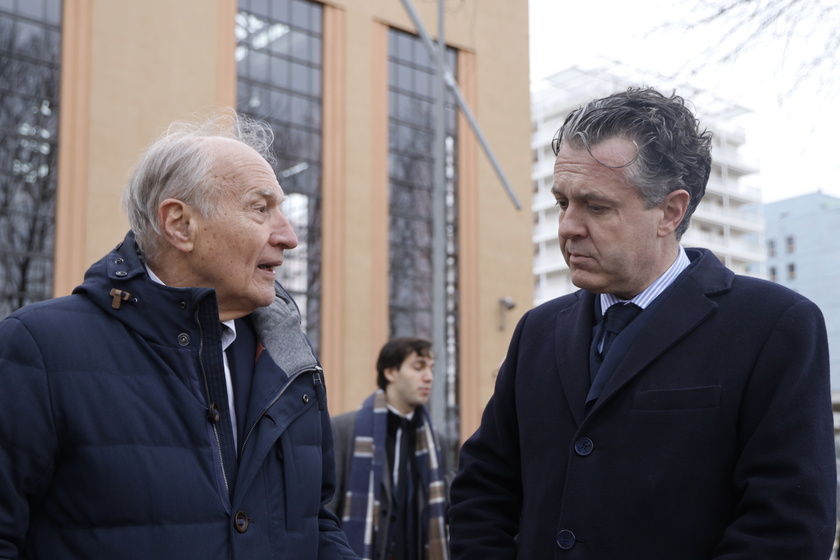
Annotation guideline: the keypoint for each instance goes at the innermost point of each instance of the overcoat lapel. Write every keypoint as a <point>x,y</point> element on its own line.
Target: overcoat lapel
<point>682,309</point>
<point>572,337</point>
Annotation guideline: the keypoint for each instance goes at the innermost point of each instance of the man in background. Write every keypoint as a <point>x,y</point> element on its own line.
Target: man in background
<point>391,492</point>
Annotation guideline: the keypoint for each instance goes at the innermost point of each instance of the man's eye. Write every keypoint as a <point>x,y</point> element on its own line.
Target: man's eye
<point>597,209</point>
<point>562,204</point>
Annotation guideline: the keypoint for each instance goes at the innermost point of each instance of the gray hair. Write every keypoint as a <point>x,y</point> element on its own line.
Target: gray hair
<point>179,165</point>
<point>672,153</point>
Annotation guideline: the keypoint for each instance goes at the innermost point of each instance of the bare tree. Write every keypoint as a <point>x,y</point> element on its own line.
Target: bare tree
<point>805,33</point>
<point>28,133</point>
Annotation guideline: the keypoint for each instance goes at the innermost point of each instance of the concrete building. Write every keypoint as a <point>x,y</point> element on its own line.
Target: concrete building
<point>349,89</point>
<point>803,253</point>
<point>728,220</point>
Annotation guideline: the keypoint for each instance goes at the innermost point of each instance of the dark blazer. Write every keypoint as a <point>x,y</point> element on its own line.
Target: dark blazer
<point>713,438</point>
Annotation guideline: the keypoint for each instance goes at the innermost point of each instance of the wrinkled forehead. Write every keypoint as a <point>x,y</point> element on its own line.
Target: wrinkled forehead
<point>229,154</point>
<point>238,167</point>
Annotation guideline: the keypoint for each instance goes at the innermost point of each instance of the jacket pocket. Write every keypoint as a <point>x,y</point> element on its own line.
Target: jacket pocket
<point>671,399</point>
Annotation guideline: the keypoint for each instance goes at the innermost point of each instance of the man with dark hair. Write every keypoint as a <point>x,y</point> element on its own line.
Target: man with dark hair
<point>171,407</point>
<point>669,409</point>
<point>391,493</point>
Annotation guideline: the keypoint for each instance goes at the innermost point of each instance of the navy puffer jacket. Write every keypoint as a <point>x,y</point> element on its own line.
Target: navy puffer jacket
<point>110,446</point>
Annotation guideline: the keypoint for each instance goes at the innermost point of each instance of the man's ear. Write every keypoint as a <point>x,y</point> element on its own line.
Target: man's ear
<point>390,374</point>
<point>673,208</point>
<point>176,220</point>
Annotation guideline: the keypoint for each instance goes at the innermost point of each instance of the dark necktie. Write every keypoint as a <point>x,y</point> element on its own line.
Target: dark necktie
<point>404,476</point>
<point>616,318</point>
<point>402,539</point>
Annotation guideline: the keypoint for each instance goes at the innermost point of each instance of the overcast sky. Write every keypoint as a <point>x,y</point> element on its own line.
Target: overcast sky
<point>792,138</point>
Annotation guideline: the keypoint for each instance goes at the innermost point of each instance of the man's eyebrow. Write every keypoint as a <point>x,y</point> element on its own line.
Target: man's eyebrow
<point>269,195</point>
<point>591,196</point>
<point>586,196</point>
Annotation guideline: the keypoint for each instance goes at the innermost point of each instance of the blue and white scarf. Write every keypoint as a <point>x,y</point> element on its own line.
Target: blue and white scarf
<point>364,481</point>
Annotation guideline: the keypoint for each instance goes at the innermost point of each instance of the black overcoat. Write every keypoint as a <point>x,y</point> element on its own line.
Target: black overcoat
<point>712,440</point>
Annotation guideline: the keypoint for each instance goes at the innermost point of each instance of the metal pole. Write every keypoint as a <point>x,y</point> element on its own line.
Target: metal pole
<point>438,401</point>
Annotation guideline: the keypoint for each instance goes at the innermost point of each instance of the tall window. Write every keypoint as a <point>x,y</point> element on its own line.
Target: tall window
<point>30,51</point>
<point>411,133</point>
<point>279,61</point>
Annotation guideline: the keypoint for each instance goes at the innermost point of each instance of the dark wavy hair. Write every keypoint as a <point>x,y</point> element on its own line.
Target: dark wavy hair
<point>394,353</point>
<point>672,152</point>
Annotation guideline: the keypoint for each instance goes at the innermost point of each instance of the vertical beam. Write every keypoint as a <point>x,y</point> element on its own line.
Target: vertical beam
<point>226,75</point>
<point>469,343</point>
<point>439,400</point>
<point>333,181</point>
<point>379,323</point>
<point>73,135</point>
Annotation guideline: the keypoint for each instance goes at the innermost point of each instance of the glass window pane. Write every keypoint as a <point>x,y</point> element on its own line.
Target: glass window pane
<point>411,164</point>
<point>28,149</point>
<point>257,7</point>
<point>31,9</point>
<point>281,42</point>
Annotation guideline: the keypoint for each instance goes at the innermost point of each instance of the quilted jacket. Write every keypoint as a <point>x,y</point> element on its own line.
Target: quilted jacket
<point>115,434</point>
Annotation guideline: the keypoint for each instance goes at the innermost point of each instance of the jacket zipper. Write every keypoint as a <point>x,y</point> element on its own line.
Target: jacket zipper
<point>207,396</point>
<point>317,369</point>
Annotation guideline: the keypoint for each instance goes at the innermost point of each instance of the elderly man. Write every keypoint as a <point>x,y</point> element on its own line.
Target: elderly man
<point>670,409</point>
<point>172,408</point>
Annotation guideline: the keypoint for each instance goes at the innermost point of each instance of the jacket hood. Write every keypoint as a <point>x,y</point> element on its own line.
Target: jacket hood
<point>119,285</point>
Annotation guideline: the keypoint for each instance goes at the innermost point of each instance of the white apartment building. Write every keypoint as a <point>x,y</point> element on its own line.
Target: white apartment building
<point>728,221</point>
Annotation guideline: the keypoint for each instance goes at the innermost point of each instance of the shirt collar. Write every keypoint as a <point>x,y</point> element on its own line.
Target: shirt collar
<point>408,416</point>
<point>657,287</point>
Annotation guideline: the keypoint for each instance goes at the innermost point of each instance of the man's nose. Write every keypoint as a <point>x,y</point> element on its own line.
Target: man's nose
<point>283,233</point>
<point>571,224</point>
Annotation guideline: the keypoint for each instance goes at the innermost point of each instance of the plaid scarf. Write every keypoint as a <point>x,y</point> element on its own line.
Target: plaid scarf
<point>360,518</point>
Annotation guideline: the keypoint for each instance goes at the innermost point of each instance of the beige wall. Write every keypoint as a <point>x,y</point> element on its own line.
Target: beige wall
<point>130,68</point>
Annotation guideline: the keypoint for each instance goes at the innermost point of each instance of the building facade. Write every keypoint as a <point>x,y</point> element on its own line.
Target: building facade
<point>728,220</point>
<point>803,253</point>
<point>349,89</point>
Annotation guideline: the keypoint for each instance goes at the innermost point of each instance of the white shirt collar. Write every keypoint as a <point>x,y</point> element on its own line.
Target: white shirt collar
<point>408,416</point>
<point>657,287</point>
